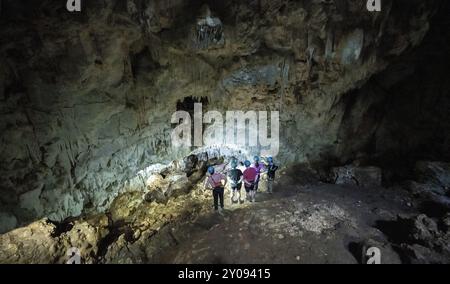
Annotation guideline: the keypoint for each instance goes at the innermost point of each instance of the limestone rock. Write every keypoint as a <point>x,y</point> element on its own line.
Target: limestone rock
<point>31,244</point>
<point>179,185</point>
<point>422,229</point>
<point>86,238</point>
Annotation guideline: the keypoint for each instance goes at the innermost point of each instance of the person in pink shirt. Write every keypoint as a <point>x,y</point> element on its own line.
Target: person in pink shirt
<point>250,175</point>
<point>216,181</point>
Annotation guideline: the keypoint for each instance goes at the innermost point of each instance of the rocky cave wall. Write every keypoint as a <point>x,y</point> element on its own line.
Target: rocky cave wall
<point>86,98</point>
<point>403,112</point>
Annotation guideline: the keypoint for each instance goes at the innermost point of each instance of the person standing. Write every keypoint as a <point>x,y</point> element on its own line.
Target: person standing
<point>217,182</point>
<point>259,167</point>
<point>271,169</point>
<point>235,177</point>
<point>250,175</point>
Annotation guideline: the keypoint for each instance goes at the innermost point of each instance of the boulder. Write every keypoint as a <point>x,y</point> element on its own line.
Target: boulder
<point>31,244</point>
<point>156,195</point>
<point>84,236</point>
<point>343,175</point>
<point>172,186</point>
<point>197,176</point>
<point>419,230</point>
<point>425,229</point>
<point>179,185</point>
<point>360,176</point>
<point>190,163</point>
<point>418,254</point>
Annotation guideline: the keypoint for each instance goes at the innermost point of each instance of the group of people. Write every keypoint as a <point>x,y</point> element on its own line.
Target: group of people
<point>250,178</point>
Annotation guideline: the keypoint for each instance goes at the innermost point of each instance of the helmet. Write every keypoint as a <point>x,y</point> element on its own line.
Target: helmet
<point>234,163</point>
<point>270,159</point>
<point>247,163</point>
<point>211,170</point>
<point>256,158</point>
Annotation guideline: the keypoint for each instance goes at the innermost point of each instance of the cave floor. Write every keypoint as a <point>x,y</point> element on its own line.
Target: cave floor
<point>304,221</point>
<point>299,223</point>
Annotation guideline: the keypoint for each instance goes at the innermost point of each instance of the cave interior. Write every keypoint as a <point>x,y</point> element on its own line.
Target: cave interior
<point>86,114</point>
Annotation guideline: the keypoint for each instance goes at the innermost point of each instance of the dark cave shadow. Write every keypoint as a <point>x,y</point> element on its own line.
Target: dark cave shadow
<point>356,250</point>
<point>61,227</point>
<point>395,231</point>
<point>433,209</point>
<point>397,234</point>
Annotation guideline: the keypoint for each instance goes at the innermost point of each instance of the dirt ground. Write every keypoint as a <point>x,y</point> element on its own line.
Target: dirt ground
<point>302,222</point>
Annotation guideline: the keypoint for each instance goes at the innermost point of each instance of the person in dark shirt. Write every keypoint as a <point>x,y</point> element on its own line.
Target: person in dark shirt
<point>235,178</point>
<point>271,169</point>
